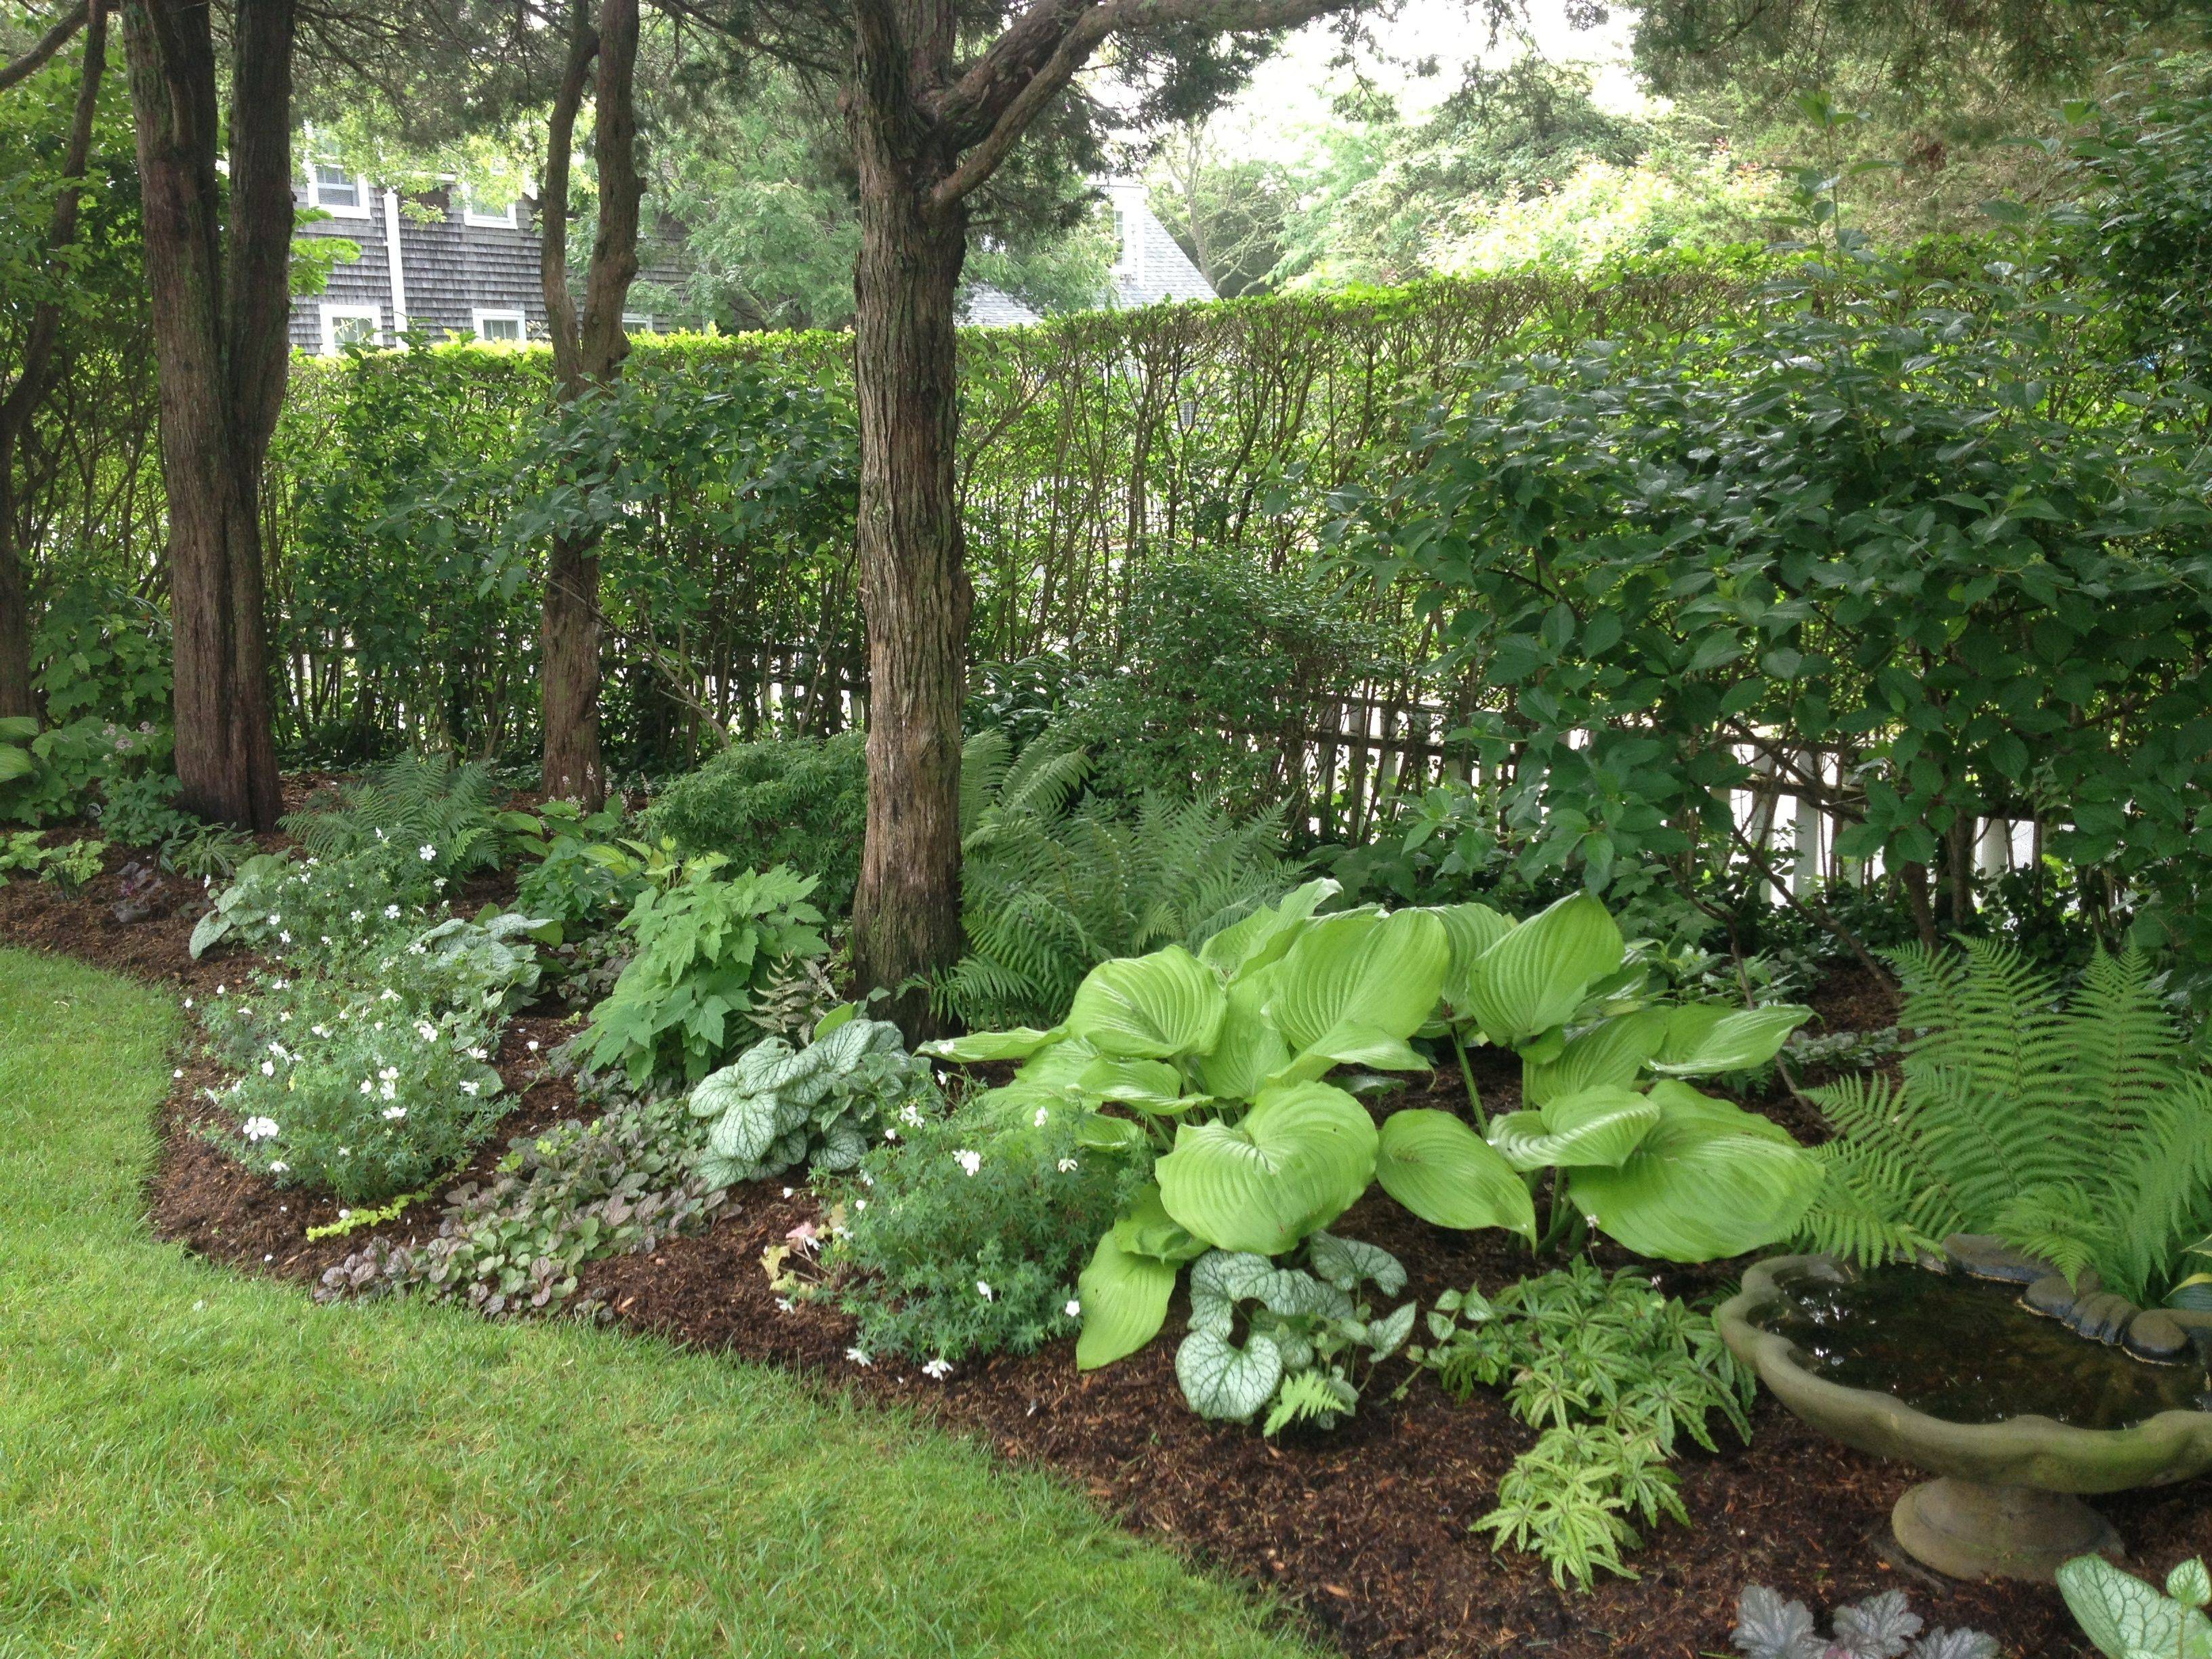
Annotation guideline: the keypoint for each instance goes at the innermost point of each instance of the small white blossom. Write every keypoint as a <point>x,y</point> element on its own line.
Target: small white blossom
<point>858,1356</point>
<point>284,938</point>
<point>937,1369</point>
<point>269,1068</point>
<point>969,1161</point>
<point>984,1291</point>
<point>469,1087</point>
<point>1067,1166</point>
<point>1042,1114</point>
<point>258,1128</point>
<point>427,852</point>
<point>1073,1310</point>
<point>532,1045</point>
<point>278,1166</point>
<point>393,1113</point>
<point>391,913</point>
<point>178,1072</point>
<point>783,1305</point>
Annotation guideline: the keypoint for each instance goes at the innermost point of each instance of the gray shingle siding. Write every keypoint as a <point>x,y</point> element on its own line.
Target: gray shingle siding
<point>1150,267</point>
<point>450,270</point>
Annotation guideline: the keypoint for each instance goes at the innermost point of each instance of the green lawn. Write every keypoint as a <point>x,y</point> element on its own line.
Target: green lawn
<point>195,1464</point>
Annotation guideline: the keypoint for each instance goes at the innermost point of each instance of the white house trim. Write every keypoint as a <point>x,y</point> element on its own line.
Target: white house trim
<point>469,216</point>
<point>483,315</point>
<point>395,263</point>
<point>335,311</point>
<point>357,209</point>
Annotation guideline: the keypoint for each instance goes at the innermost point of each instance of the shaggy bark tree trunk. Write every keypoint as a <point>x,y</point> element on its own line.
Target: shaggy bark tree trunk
<point>35,377</point>
<point>915,590</point>
<point>221,303</point>
<point>587,354</point>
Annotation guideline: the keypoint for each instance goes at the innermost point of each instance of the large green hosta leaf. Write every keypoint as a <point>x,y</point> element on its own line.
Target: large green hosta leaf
<point>1124,1297</point>
<point>1148,1229</point>
<point>1536,976</point>
<point>1599,1126</point>
<point>1249,1049</point>
<point>1300,1157</point>
<point>1471,930</point>
<point>1018,1044</point>
<point>1354,987</point>
<point>1710,1181</point>
<point>1242,950</point>
<point>1702,1040</point>
<point>1157,1007</point>
<point>1150,1085</point>
<point>1444,1172</point>
<point>1609,1054</point>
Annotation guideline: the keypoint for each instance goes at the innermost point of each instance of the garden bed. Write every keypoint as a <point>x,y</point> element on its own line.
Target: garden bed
<point>1365,1528</point>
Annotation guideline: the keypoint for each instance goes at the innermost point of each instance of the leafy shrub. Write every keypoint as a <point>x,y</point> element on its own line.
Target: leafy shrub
<point>2126,1619</point>
<point>1880,1627</point>
<point>1048,892</point>
<point>430,816</point>
<point>142,811</point>
<point>779,1107</point>
<point>706,945</point>
<point>571,1195</point>
<point>2081,1135</point>
<point>576,871</point>
<point>800,801</point>
<point>1305,1330</point>
<point>1230,1047</point>
<point>1612,1373</point>
<point>349,1090</point>
<point>963,1235</point>
<point>67,864</point>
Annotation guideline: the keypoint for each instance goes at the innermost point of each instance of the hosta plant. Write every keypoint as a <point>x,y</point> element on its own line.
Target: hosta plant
<point>1214,1068</point>
<point>2127,1619</point>
<point>1305,1330</point>
<point>779,1107</point>
<point>1880,1627</point>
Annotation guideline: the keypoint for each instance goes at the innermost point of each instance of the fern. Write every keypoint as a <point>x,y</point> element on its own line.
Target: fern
<point>2075,1133</point>
<point>1053,885</point>
<point>403,805</point>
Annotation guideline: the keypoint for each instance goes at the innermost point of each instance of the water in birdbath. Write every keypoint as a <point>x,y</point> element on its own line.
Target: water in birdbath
<point>1966,1351</point>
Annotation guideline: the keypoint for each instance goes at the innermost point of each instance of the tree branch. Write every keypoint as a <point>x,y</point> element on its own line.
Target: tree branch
<point>49,43</point>
<point>553,203</point>
<point>1042,51</point>
<point>601,345</point>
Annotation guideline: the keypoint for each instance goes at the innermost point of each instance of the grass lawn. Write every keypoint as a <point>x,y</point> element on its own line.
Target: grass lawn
<point>194,1463</point>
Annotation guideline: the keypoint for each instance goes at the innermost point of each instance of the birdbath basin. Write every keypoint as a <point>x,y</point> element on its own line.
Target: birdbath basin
<point>1977,1371</point>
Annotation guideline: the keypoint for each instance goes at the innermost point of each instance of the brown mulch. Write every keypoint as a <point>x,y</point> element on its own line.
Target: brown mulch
<point>1365,1529</point>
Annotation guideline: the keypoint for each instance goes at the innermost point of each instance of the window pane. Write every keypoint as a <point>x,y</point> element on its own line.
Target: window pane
<point>499,328</point>
<point>353,330</point>
<point>335,186</point>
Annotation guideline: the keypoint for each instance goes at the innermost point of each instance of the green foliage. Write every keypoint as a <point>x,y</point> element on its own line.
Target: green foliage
<point>67,864</point>
<point>1880,1627</point>
<point>1614,1374</point>
<point>962,1232</point>
<point>1305,1330</point>
<point>2126,1619</point>
<point>306,910</point>
<point>706,946</point>
<point>821,1105</point>
<point>800,801</point>
<point>411,811</point>
<point>1049,890</point>
<point>2082,1134</point>
<point>572,1194</point>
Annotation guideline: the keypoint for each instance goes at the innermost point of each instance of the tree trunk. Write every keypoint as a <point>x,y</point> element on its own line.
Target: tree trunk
<point>221,301</point>
<point>587,354</point>
<point>35,377</point>
<point>915,590</point>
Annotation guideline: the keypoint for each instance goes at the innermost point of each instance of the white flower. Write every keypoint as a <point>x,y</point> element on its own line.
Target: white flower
<point>427,852</point>
<point>1067,1166</point>
<point>470,1085</point>
<point>258,1128</point>
<point>532,1045</point>
<point>427,1031</point>
<point>867,1180</point>
<point>890,1135</point>
<point>858,1356</point>
<point>475,1053</point>
<point>275,922</point>
<point>284,938</point>
<point>393,1113</point>
<point>910,1114</point>
<point>1073,1310</point>
<point>391,913</point>
<point>278,1166</point>
<point>188,1002</point>
<point>937,1369</point>
<point>788,1192</point>
<point>178,1072</point>
<point>968,1161</point>
<point>984,1291</point>
<point>269,1068</point>
<point>860,1204</point>
<point>1042,1114</point>
<point>358,916</point>
<point>783,1305</point>
<point>368,1087</point>
<point>388,1091</point>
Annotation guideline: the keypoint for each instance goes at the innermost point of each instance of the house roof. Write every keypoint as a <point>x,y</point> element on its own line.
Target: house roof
<point>1149,266</point>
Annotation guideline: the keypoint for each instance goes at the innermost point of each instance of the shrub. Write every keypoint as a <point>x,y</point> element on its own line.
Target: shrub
<point>962,1236</point>
<point>432,818</point>
<point>306,910</point>
<point>800,801</point>
<point>706,946</point>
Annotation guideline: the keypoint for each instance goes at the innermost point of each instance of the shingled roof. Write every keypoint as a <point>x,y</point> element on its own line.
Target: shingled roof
<point>1150,267</point>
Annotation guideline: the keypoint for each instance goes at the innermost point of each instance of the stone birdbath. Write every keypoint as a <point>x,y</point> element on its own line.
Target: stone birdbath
<point>2013,1387</point>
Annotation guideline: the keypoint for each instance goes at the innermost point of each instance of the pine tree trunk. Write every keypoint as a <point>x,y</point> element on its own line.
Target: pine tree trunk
<point>568,651</point>
<point>915,590</point>
<point>15,602</point>
<point>220,305</point>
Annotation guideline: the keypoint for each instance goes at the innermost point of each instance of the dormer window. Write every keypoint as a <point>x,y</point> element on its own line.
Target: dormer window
<point>477,207</point>
<point>336,192</point>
